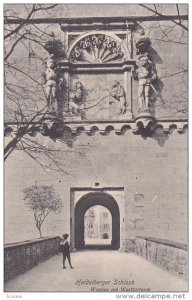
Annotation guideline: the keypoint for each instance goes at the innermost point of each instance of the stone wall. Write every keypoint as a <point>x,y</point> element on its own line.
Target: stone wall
<point>20,257</point>
<point>154,180</point>
<point>169,255</point>
<point>152,171</point>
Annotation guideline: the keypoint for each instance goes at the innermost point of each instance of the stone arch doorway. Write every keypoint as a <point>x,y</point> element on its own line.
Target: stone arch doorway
<point>92,199</point>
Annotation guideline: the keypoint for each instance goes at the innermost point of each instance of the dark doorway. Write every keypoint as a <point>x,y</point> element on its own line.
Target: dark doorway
<point>87,201</point>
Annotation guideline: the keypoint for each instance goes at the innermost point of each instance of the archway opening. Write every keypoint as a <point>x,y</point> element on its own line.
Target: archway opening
<point>108,205</point>
<point>97,227</point>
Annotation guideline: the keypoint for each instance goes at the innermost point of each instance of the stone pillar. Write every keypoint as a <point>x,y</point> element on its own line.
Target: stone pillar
<point>128,93</point>
<point>121,203</point>
<point>122,233</point>
<point>72,220</point>
<point>68,81</point>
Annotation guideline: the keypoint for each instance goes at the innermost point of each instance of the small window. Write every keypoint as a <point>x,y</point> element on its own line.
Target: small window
<point>106,226</point>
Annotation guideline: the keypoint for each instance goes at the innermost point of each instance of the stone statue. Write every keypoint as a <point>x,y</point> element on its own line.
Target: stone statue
<point>145,73</point>
<point>76,99</point>
<point>51,61</point>
<point>117,93</point>
<point>51,80</point>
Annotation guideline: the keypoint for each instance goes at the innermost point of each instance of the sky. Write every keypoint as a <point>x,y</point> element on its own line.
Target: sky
<point>96,10</point>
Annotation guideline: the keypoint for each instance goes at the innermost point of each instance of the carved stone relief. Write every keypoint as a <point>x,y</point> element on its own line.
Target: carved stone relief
<point>96,96</point>
<point>118,94</point>
<point>76,99</point>
<point>109,94</point>
<point>97,48</point>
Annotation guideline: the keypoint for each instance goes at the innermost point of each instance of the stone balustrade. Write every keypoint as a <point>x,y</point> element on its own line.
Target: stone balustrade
<point>169,255</point>
<point>22,256</point>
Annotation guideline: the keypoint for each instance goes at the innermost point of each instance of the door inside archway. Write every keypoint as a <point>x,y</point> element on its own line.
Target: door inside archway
<point>91,200</point>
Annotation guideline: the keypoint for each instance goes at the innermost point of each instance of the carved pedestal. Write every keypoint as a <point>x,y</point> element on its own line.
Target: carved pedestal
<point>144,118</point>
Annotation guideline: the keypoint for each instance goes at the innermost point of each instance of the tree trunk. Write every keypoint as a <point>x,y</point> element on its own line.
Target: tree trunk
<point>40,232</point>
<point>13,143</point>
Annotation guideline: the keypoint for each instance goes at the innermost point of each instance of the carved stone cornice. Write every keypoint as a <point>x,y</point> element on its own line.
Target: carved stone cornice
<point>70,67</point>
<point>120,127</point>
<point>105,127</point>
<point>110,23</point>
<point>88,24</point>
<point>89,20</point>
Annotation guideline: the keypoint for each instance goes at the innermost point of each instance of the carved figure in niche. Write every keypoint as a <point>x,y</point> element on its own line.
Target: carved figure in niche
<point>51,80</point>
<point>76,99</point>
<point>145,73</point>
<point>117,93</point>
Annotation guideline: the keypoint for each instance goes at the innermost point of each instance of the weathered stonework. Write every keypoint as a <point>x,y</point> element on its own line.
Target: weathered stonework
<point>155,185</point>
<point>145,154</point>
<point>21,257</point>
<point>169,255</point>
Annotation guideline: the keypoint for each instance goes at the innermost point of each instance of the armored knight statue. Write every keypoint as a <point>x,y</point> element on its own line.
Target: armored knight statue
<point>118,94</point>
<point>145,73</point>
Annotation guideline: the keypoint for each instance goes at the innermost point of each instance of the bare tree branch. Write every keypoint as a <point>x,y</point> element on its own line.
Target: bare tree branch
<point>13,46</point>
<point>177,6</point>
<point>15,68</point>
<point>16,30</point>
<point>159,14</point>
<point>33,10</point>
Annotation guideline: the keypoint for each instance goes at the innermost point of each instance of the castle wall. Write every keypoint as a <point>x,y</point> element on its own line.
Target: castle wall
<point>154,180</point>
<point>154,176</point>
